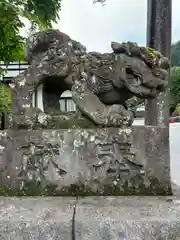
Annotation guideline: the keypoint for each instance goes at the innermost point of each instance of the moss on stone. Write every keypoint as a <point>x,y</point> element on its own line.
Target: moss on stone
<point>150,52</point>
<point>71,121</point>
<point>158,54</point>
<point>36,189</point>
<point>29,189</point>
<point>5,98</point>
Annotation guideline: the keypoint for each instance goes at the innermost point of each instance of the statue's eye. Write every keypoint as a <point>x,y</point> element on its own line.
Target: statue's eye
<point>138,82</point>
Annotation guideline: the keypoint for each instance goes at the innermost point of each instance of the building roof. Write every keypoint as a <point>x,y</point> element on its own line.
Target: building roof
<point>13,70</point>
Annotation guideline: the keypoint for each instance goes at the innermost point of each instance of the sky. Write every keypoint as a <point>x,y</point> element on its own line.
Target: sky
<point>95,26</point>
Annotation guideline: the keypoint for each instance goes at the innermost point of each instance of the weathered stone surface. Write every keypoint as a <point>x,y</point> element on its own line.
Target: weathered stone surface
<point>40,42</point>
<point>100,83</point>
<point>109,161</point>
<point>36,218</point>
<point>94,218</point>
<point>48,153</point>
<point>41,120</point>
<point>127,218</point>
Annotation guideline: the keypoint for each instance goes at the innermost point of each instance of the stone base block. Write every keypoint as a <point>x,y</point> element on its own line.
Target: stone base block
<point>85,162</point>
<point>36,218</point>
<point>92,218</point>
<point>127,218</point>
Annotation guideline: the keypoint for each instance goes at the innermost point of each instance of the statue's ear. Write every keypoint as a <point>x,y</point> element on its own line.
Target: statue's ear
<point>40,42</point>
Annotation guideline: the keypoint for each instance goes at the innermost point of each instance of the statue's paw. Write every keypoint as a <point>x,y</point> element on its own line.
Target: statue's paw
<point>115,120</point>
<point>119,116</point>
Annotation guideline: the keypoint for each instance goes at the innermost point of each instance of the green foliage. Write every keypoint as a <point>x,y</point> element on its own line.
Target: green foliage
<point>41,14</point>
<point>175,54</point>
<point>175,86</point>
<point>176,111</point>
<point>5,98</point>
<point>11,43</point>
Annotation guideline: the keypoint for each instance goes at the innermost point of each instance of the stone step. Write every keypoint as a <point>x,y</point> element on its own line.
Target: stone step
<point>91,218</point>
<point>36,218</point>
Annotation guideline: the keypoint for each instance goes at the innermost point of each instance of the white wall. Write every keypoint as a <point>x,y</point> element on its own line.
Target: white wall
<point>138,122</point>
<point>37,98</point>
<point>174,132</point>
<point>14,68</point>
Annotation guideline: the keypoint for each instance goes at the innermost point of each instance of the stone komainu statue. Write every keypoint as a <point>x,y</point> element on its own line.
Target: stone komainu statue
<point>101,84</point>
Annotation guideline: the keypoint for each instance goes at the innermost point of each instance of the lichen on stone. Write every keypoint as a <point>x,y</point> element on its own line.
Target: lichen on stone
<point>43,118</point>
<point>150,51</point>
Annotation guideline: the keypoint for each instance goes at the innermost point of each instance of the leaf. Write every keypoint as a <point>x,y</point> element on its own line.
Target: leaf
<point>40,13</point>
<point>175,86</point>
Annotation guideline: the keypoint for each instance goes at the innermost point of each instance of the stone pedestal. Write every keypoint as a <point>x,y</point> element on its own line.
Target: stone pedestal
<point>85,162</point>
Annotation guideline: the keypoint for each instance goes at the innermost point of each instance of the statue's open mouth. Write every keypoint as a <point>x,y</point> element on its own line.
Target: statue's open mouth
<point>143,91</point>
<point>142,87</point>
